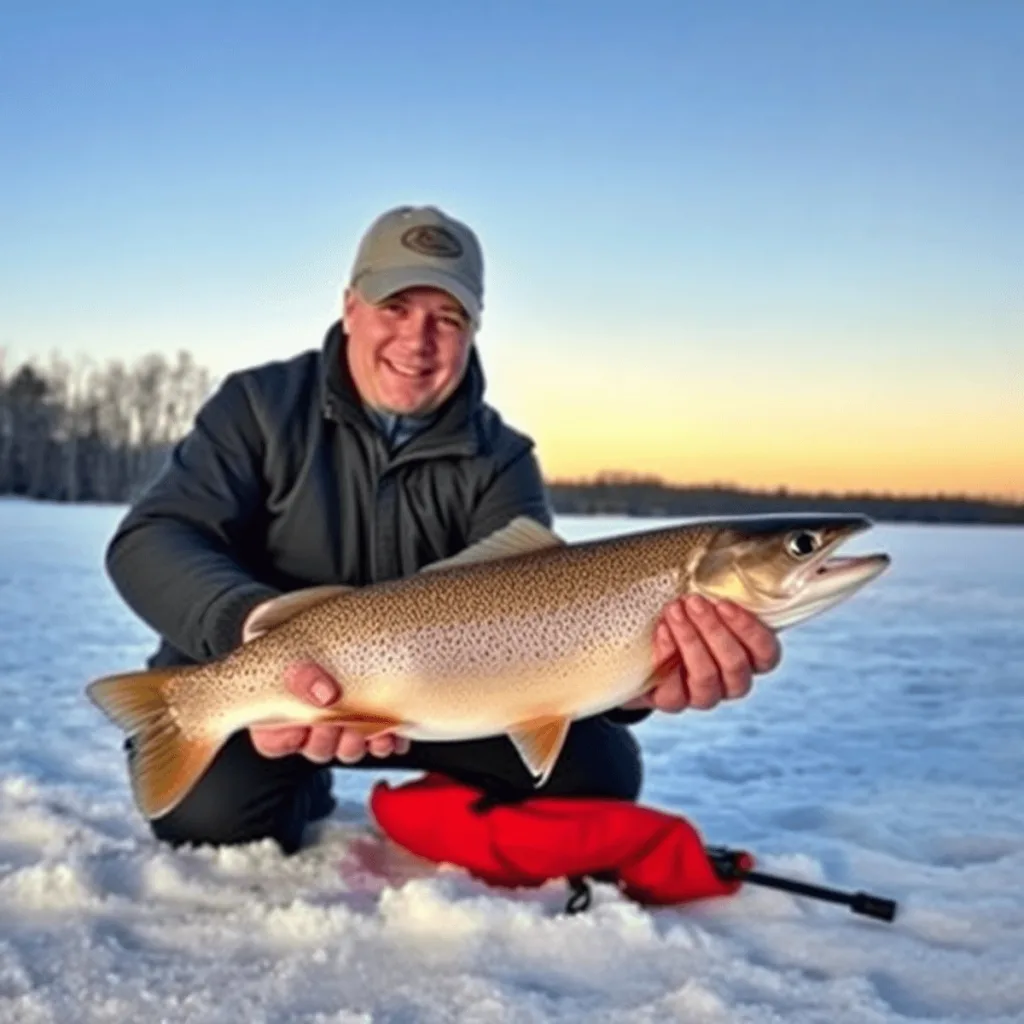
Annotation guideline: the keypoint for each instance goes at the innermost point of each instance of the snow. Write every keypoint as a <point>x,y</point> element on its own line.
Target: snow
<point>885,754</point>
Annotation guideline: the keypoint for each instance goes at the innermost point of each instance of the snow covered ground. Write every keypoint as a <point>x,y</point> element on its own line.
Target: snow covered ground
<point>886,754</point>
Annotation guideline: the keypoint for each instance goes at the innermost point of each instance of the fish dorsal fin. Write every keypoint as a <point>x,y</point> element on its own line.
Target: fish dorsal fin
<point>522,536</point>
<point>281,609</point>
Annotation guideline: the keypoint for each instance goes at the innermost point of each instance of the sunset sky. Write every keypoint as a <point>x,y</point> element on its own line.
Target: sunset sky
<point>764,243</point>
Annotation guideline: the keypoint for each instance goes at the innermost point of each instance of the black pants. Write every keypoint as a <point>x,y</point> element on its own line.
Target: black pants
<point>244,796</point>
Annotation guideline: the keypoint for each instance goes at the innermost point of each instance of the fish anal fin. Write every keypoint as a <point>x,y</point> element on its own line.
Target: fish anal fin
<point>521,536</point>
<point>539,742</point>
<point>279,610</point>
<point>164,763</point>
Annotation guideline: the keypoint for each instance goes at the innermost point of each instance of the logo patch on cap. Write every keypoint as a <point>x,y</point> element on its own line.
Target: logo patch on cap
<point>429,240</point>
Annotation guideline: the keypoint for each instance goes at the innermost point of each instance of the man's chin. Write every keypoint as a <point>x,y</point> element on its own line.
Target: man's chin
<point>404,401</point>
<point>401,405</point>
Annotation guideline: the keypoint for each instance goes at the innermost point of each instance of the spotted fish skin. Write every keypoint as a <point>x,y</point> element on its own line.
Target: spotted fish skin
<point>568,627</point>
<point>520,635</point>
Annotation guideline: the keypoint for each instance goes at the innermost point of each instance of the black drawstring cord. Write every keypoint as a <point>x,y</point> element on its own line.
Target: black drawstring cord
<point>580,897</point>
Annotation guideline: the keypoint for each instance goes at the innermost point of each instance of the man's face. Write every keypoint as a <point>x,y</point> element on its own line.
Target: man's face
<point>407,354</point>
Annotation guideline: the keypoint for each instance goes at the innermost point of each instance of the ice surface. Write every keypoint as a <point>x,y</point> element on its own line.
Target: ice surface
<point>885,754</point>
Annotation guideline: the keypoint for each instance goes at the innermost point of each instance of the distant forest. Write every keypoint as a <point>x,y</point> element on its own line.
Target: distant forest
<point>81,432</point>
<point>629,495</point>
<point>75,431</point>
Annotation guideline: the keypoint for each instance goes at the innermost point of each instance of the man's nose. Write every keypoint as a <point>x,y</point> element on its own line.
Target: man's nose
<point>419,328</point>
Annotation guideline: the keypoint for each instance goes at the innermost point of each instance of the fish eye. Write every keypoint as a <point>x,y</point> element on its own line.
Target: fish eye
<point>802,543</point>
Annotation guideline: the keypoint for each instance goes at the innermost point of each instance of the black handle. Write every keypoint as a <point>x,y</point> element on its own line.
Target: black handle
<point>727,866</point>
<point>873,906</point>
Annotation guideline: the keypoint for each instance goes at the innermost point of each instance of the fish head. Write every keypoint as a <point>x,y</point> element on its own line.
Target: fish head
<point>785,569</point>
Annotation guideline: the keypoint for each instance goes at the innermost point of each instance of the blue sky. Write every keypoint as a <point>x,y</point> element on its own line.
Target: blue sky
<point>771,207</point>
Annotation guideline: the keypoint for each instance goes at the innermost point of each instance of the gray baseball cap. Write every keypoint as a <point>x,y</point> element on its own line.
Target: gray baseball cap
<point>420,246</point>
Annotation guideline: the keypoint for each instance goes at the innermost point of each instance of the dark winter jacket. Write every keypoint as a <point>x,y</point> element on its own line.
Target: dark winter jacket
<point>284,482</point>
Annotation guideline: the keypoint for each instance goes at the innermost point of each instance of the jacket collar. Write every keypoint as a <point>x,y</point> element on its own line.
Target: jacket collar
<point>456,428</point>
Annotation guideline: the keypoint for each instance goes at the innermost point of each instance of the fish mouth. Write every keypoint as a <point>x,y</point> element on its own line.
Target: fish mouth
<point>825,584</point>
<point>823,581</point>
<point>844,571</point>
<point>828,573</point>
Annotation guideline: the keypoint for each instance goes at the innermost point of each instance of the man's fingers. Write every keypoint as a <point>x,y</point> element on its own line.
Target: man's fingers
<point>703,678</point>
<point>309,681</point>
<point>278,742</point>
<point>672,694</point>
<point>322,743</point>
<point>381,746</point>
<point>385,746</point>
<point>351,747</point>
<point>761,642</point>
<point>729,656</point>
<point>664,652</point>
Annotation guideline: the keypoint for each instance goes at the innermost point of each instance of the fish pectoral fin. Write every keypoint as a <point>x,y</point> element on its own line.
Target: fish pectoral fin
<point>163,763</point>
<point>521,536</point>
<point>281,609</point>
<point>661,671</point>
<point>539,742</point>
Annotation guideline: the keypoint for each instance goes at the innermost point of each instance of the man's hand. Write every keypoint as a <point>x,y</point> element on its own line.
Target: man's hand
<point>720,647</point>
<point>320,743</point>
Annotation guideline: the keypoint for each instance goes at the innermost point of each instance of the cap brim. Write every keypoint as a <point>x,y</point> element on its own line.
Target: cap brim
<point>379,285</point>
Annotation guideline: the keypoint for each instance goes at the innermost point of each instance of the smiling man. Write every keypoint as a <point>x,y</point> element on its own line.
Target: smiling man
<point>360,461</point>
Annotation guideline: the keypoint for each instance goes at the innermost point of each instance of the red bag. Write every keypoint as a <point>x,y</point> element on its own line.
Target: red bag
<point>654,857</point>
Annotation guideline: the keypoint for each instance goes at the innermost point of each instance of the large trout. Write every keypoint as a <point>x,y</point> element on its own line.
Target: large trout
<point>519,634</point>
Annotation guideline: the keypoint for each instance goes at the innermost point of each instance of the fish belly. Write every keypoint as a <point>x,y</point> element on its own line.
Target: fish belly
<point>481,677</point>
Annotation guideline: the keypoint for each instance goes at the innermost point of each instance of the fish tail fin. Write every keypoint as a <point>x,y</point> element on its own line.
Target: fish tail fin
<point>164,763</point>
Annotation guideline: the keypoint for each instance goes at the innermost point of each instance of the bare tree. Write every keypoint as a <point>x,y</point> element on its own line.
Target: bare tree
<point>75,431</point>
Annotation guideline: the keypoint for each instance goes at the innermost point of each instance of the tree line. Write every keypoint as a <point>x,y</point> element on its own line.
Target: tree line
<point>78,431</point>
<point>625,494</point>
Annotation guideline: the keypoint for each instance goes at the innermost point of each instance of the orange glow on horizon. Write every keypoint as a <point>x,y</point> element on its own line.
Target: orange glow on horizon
<point>905,472</point>
<point>943,436</point>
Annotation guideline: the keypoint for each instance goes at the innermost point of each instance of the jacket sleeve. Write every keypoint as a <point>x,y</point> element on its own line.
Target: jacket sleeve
<point>517,490</point>
<point>175,557</point>
<point>520,490</point>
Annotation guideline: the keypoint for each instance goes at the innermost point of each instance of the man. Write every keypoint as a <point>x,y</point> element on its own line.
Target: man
<point>355,463</point>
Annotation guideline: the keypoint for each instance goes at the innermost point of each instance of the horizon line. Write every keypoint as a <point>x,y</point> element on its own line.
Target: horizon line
<point>625,478</point>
